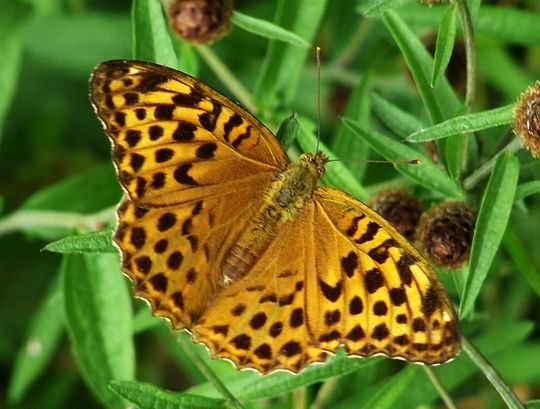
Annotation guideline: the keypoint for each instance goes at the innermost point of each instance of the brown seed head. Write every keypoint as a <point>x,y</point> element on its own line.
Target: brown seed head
<point>200,21</point>
<point>527,119</point>
<point>400,208</point>
<point>446,232</point>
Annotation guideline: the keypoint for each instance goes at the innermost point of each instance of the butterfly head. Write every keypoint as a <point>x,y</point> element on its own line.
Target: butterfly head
<point>313,163</point>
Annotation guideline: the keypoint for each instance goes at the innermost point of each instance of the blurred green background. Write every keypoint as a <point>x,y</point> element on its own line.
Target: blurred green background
<point>54,157</point>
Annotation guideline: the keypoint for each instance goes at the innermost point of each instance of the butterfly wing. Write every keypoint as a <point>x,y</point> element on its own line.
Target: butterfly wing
<point>194,166</point>
<point>338,275</point>
<point>394,303</point>
<point>175,139</point>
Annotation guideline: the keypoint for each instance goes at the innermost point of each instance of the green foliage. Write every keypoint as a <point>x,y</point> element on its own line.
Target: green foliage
<point>384,96</point>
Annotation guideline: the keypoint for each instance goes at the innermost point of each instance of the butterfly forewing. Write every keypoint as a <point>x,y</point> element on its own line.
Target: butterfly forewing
<point>194,165</point>
<point>209,240</point>
<point>175,139</point>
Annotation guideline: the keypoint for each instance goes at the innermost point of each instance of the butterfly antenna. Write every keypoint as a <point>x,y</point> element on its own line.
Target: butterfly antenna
<point>318,97</point>
<point>392,162</point>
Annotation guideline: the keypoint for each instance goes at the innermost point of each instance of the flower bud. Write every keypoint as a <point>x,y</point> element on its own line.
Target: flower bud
<point>200,21</point>
<point>445,233</point>
<point>400,208</point>
<point>526,122</point>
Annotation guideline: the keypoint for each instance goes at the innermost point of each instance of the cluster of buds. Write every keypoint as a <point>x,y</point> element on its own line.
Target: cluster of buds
<point>444,232</point>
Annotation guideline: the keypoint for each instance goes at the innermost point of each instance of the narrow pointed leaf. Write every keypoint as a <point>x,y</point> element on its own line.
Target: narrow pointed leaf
<point>445,43</point>
<point>267,29</point>
<point>151,38</point>
<point>465,123</point>
<point>98,314</point>
<point>515,247</point>
<point>490,226</point>
<point>425,174</point>
<point>41,342</point>
<point>395,118</point>
<point>527,189</point>
<point>146,396</point>
<point>92,242</point>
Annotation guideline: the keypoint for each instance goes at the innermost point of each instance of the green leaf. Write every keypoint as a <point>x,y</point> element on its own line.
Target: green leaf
<point>465,123</point>
<point>65,204</point>
<point>509,25</point>
<point>521,258</point>
<point>461,371</point>
<point>374,7</point>
<point>387,395</point>
<point>151,38</point>
<point>92,242</point>
<point>490,226</point>
<point>533,404</point>
<point>345,143</point>
<point>250,386</point>
<point>187,58</point>
<point>99,322</point>
<point>283,63</point>
<point>445,43</point>
<point>13,24</point>
<point>395,118</point>
<point>440,101</point>
<point>426,173</point>
<point>266,29</point>
<point>41,342</point>
<point>510,77</point>
<point>146,396</point>
<point>87,192</point>
<point>527,189</point>
<point>491,374</point>
<point>288,131</point>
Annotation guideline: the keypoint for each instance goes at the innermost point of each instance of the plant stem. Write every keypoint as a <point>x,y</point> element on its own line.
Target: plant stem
<point>439,387</point>
<point>324,393</point>
<point>210,375</point>
<point>27,219</point>
<point>492,375</point>
<point>224,74</point>
<point>470,52</point>
<point>487,167</point>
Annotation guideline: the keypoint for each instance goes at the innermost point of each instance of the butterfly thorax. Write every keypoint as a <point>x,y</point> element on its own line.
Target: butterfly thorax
<point>283,201</point>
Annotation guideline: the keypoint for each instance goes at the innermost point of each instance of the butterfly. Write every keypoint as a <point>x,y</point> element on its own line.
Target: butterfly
<point>228,239</point>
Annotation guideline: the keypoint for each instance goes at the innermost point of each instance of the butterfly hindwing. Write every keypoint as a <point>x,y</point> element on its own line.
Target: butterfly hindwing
<point>393,301</point>
<point>338,275</point>
<point>172,254</point>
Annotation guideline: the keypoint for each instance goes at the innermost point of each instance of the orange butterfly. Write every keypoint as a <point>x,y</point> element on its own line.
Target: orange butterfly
<point>225,237</point>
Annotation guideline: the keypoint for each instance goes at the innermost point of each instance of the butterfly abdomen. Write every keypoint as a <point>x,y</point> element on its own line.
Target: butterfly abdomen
<point>282,203</point>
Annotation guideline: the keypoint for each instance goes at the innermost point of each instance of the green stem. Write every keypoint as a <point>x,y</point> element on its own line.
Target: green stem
<point>487,167</point>
<point>470,52</point>
<point>27,219</point>
<point>354,44</point>
<point>210,375</point>
<point>439,387</point>
<point>228,78</point>
<point>492,375</point>
<point>300,398</point>
<point>324,393</point>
